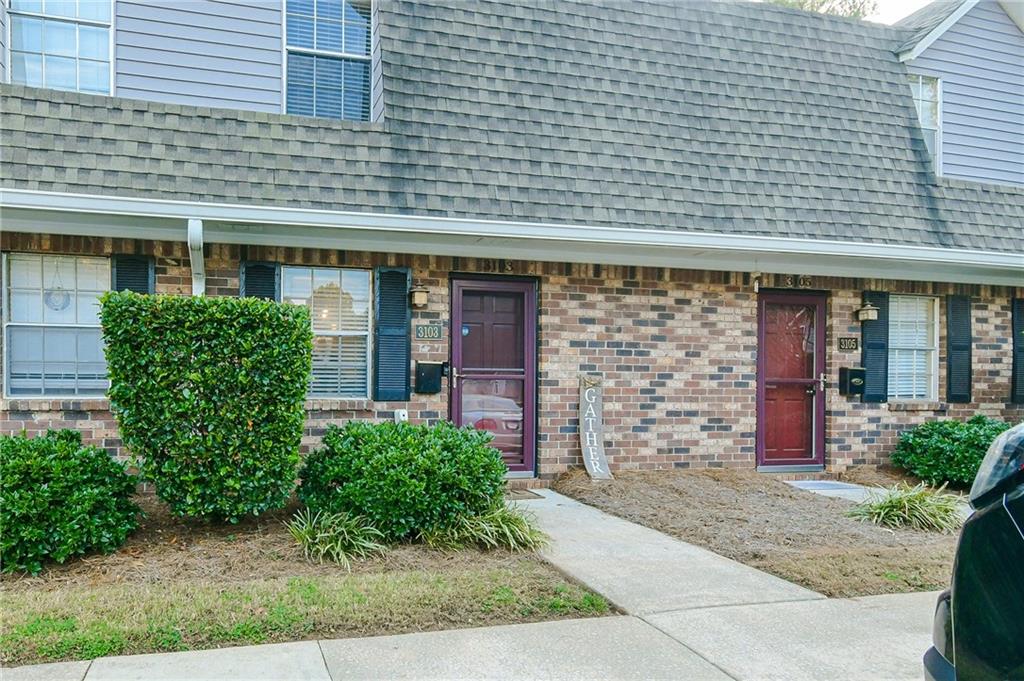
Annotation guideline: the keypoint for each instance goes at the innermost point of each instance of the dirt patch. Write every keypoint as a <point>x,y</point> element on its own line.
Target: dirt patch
<point>763,522</point>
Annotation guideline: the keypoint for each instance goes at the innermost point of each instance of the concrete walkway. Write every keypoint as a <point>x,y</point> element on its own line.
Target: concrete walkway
<point>691,614</point>
<point>643,571</point>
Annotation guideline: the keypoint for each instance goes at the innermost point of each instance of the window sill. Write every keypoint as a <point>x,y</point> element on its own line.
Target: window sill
<point>339,404</point>
<point>55,404</point>
<point>923,405</point>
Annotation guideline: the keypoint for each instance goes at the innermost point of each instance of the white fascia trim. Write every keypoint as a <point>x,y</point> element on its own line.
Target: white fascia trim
<point>530,231</point>
<point>937,32</point>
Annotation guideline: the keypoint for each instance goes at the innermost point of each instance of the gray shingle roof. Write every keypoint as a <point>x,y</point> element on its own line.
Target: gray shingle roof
<point>924,21</point>
<point>711,117</point>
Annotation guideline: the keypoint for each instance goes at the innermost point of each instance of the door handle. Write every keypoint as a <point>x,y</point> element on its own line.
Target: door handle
<point>456,374</point>
<point>821,380</point>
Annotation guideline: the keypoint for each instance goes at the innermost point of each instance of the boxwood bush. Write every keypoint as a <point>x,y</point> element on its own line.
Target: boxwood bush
<point>209,394</point>
<point>947,451</point>
<point>405,479</point>
<point>60,499</point>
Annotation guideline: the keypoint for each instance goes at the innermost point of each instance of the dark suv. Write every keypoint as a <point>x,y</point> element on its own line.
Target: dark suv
<point>978,632</point>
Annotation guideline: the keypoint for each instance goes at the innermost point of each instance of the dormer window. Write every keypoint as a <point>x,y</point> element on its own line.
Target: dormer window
<point>328,58</point>
<point>926,93</point>
<point>61,44</point>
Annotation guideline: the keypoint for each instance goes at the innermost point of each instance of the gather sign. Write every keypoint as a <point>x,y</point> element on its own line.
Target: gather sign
<point>592,426</point>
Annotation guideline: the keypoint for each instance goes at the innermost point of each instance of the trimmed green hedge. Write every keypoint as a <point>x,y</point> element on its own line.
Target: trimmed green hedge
<point>209,394</point>
<point>947,451</point>
<point>59,499</point>
<point>405,479</point>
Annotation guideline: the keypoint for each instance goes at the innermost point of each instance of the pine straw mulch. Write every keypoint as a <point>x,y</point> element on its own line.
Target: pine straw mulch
<point>178,585</point>
<point>761,521</point>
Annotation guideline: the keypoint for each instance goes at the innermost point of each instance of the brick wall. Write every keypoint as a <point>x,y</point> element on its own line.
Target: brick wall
<point>677,349</point>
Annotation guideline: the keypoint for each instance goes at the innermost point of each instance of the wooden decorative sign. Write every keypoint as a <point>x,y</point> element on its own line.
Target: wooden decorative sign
<point>429,331</point>
<point>592,426</point>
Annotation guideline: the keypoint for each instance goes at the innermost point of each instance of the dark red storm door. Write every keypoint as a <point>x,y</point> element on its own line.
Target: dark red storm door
<point>494,364</point>
<point>790,379</point>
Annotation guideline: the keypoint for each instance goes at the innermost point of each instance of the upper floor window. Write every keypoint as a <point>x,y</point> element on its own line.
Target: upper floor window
<point>913,348</point>
<point>328,56</point>
<point>53,344</point>
<point>925,90</point>
<point>339,306</point>
<point>61,44</point>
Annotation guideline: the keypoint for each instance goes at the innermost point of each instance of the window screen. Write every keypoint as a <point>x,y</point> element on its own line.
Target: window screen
<point>339,306</point>
<point>912,348</point>
<point>61,44</point>
<point>328,71</point>
<point>53,343</point>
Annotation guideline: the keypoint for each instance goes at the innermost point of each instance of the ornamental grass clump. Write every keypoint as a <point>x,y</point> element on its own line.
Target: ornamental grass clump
<point>503,527</point>
<point>918,507</point>
<point>338,537</point>
<point>60,499</point>
<point>209,393</point>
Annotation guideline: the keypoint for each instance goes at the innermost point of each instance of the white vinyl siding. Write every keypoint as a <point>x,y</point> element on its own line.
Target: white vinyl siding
<point>913,348</point>
<point>328,55</point>
<point>52,339</point>
<point>927,98</point>
<point>339,306</point>
<point>61,44</point>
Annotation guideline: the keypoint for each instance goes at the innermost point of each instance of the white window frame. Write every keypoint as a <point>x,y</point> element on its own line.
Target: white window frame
<point>5,285</point>
<point>285,50</point>
<point>334,334</point>
<point>8,75</point>
<point>933,383</point>
<point>937,155</point>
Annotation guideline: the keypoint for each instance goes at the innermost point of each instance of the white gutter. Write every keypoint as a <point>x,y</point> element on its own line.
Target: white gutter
<point>195,257</point>
<point>664,238</point>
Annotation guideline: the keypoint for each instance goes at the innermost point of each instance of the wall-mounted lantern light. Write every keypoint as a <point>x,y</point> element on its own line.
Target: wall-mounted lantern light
<point>418,294</point>
<point>867,313</point>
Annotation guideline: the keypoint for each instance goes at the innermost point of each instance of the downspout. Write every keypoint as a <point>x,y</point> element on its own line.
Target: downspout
<point>195,256</point>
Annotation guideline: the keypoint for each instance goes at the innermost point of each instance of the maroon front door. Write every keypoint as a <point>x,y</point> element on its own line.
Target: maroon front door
<point>791,379</point>
<point>494,363</point>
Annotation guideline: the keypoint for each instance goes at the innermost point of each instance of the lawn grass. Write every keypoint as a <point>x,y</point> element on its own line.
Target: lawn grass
<point>79,621</point>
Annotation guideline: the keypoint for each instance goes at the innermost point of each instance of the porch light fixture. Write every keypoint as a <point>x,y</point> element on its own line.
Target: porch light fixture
<point>418,295</point>
<point>867,313</point>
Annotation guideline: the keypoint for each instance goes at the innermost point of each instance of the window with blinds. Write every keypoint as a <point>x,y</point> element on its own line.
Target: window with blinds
<point>328,58</point>
<point>339,305</point>
<point>913,348</point>
<point>53,344</point>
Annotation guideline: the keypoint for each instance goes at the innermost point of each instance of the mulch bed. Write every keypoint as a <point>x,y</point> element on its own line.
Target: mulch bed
<point>761,521</point>
<point>168,549</point>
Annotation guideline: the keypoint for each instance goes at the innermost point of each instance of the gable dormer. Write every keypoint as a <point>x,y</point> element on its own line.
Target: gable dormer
<point>965,63</point>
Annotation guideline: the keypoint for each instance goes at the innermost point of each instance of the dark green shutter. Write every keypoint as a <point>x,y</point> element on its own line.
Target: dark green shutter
<point>134,273</point>
<point>260,280</point>
<point>1017,380</point>
<point>874,355</point>
<point>958,348</point>
<point>392,345</point>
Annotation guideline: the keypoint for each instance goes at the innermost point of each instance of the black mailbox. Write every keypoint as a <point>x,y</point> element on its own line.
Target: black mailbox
<point>428,377</point>
<point>851,380</point>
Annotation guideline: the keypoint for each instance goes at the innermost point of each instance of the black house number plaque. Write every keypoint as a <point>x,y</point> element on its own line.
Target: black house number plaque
<point>848,344</point>
<point>428,331</point>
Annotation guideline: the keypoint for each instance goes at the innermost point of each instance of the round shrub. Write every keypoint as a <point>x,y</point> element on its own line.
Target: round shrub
<point>209,393</point>
<point>947,451</point>
<point>60,499</point>
<point>405,479</point>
